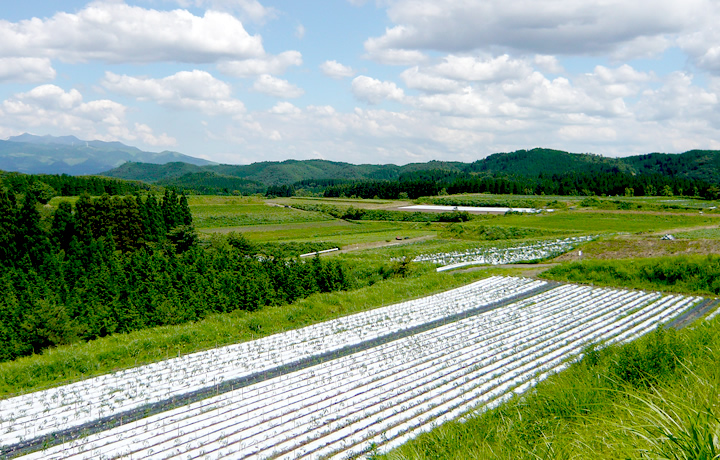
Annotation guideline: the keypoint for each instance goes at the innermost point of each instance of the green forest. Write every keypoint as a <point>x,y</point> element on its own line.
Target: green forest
<point>115,264</point>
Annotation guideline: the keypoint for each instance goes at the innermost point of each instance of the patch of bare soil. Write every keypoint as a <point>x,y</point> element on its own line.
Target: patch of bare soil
<point>380,244</point>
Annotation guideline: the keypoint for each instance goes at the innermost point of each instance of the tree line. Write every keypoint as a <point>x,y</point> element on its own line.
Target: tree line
<point>116,264</point>
<point>572,183</point>
<point>47,186</point>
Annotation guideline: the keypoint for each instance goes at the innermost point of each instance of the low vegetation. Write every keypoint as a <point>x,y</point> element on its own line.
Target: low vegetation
<point>687,274</point>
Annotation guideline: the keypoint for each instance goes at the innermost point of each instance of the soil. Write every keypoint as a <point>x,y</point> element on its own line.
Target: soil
<point>380,244</point>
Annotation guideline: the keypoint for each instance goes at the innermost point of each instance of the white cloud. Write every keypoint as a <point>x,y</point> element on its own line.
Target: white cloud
<point>703,47</point>
<point>50,97</point>
<point>678,99</point>
<point>50,108</point>
<point>375,91</point>
<point>470,68</point>
<point>250,9</point>
<point>32,70</point>
<point>558,27</point>
<point>378,49</point>
<point>285,108</point>
<point>300,31</point>
<point>334,69</point>
<point>421,80</point>
<point>549,64</point>
<point>273,65</point>
<point>112,31</point>
<point>277,87</point>
<point>195,90</point>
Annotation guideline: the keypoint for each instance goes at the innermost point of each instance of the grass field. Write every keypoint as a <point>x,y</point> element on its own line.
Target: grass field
<point>601,222</point>
<point>214,212</point>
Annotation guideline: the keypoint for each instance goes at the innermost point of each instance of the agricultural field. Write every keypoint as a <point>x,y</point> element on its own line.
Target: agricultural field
<point>357,385</point>
<point>215,211</point>
<point>417,344</point>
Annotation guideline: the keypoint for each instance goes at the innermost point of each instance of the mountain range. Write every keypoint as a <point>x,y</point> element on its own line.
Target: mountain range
<point>31,154</point>
<point>694,164</point>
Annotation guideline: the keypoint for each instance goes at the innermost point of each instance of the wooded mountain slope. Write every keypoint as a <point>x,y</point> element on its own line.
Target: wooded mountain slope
<point>695,165</point>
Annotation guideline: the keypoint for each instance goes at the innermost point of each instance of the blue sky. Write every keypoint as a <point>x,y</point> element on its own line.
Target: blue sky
<point>363,81</point>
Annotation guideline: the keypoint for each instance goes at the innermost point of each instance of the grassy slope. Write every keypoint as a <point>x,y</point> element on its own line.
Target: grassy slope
<point>695,274</point>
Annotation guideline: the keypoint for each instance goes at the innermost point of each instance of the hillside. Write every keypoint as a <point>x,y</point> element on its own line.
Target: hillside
<point>31,154</point>
<point>531,162</point>
<point>693,165</point>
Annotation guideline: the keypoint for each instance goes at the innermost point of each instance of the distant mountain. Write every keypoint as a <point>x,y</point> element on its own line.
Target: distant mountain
<point>695,164</point>
<point>31,154</point>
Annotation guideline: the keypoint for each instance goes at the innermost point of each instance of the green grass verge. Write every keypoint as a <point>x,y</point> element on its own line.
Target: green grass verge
<point>599,222</point>
<point>69,363</point>
<point>695,274</point>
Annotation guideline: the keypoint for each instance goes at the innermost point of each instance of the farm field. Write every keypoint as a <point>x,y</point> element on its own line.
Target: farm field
<point>213,212</point>
<point>226,394</point>
<point>340,232</point>
<point>462,353</point>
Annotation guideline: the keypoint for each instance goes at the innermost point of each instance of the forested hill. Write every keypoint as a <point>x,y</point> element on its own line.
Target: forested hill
<point>277,173</point>
<point>692,165</point>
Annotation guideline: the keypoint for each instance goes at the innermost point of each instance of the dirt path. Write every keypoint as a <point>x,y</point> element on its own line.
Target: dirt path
<point>381,244</point>
<point>529,270</point>
<point>639,211</point>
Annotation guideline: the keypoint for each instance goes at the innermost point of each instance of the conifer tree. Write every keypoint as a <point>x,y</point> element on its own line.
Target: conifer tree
<point>169,208</point>
<point>185,216</point>
<point>153,222</point>
<point>8,227</point>
<point>128,229</point>
<point>62,228</point>
<point>84,214</point>
<point>31,239</point>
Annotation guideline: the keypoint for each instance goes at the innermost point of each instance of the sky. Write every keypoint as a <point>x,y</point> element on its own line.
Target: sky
<point>365,81</point>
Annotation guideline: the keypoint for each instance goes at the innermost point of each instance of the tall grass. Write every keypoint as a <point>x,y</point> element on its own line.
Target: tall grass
<point>691,274</point>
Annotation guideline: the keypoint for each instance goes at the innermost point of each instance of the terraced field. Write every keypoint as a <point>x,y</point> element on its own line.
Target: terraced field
<point>362,383</point>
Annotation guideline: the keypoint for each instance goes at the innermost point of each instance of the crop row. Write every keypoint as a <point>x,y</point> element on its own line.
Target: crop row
<point>42,413</point>
<point>495,256</point>
<point>382,396</point>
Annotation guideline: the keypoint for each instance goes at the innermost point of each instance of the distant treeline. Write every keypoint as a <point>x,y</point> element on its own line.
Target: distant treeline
<point>46,186</point>
<point>615,183</point>
<point>118,264</point>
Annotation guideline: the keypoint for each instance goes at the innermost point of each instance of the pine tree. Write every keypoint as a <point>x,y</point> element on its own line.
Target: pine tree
<point>169,208</point>
<point>31,239</point>
<point>184,214</point>
<point>128,229</point>
<point>153,222</point>
<point>63,226</point>
<point>84,215</point>
<point>8,228</point>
